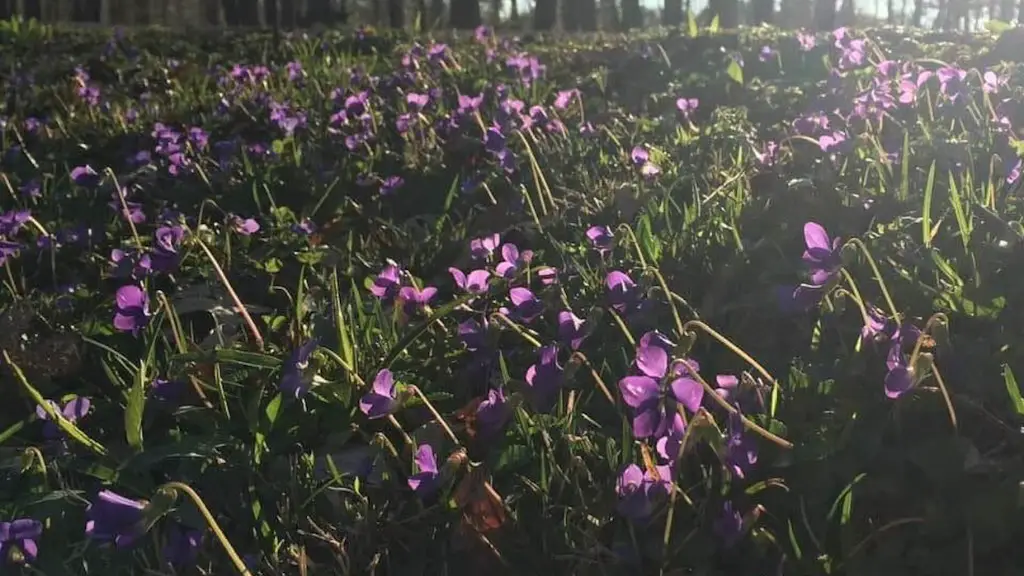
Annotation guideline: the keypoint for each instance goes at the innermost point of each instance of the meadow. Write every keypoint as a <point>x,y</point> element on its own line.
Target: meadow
<point>688,301</point>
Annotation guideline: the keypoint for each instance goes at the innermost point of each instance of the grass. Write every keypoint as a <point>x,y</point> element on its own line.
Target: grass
<point>333,314</point>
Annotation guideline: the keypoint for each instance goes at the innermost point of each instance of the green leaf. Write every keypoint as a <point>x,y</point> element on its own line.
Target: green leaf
<point>998,26</point>
<point>1013,390</point>
<point>691,24</point>
<point>735,71</point>
<point>136,408</point>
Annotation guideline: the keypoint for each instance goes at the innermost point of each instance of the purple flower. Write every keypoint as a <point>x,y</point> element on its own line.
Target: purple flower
<point>833,142</point>
<point>992,82</point>
<point>900,377</point>
<point>645,394</point>
<point>72,411</point>
<point>425,480</point>
<point>687,106</point>
<point>21,535</point>
<point>639,156</point>
<point>512,260</point>
<point>767,53</point>
<point>571,329</point>
<point>726,385</point>
<point>167,239</point>
<point>85,176</point>
<point>740,451</point>
<point>1013,174</point>
<point>545,378</point>
<point>114,517</point>
<point>415,300</point>
<point>182,547</point>
<point>525,306</point>
<point>131,309</point>
<point>493,413</point>
<point>807,41</point>
<point>295,381</point>
<point>729,525</point>
<point>386,284</point>
<point>417,101</point>
<point>475,282</point>
<point>671,444</point>
<point>565,97</point>
<point>380,401</point>
<point>547,275</point>
<point>640,492</point>
<point>245,227</point>
<point>601,238</point>
<point>621,290</point>
<point>768,155</point>
<point>875,324</point>
<point>473,334</point>
<point>483,248</point>
<point>822,253</point>
<point>167,390</point>
<point>390,184</point>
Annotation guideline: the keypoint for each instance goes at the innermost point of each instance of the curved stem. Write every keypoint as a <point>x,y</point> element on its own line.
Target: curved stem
<point>636,244</point>
<point>668,296</point>
<point>937,317</point>
<point>728,344</point>
<point>212,523</point>
<point>518,329</point>
<point>593,373</point>
<point>437,415</point>
<point>855,292</point>
<point>945,395</point>
<point>747,422</point>
<point>231,292</point>
<point>878,276</point>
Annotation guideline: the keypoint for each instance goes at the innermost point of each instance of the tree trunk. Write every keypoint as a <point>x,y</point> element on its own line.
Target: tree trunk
<point>610,15</point>
<point>464,14</point>
<point>570,15</point>
<point>672,13</point>
<point>545,12</point>
<point>632,16</point>
<point>727,11</point>
<point>587,15</point>
<point>271,14</point>
<point>825,15</point>
<point>495,15</point>
<point>396,13</point>
<point>763,11</point>
<point>436,14</point>
<point>848,13</point>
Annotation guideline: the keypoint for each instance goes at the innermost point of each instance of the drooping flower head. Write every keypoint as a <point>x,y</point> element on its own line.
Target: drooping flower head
<point>112,517</point>
<point>545,378</point>
<point>381,400</point>
<point>131,309</point>
<point>425,480</point>
<point>641,491</point>
<point>295,376</point>
<point>20,536</point>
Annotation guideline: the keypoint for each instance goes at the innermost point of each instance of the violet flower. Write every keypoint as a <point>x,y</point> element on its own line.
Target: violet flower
<point>131,309</point>
<point>167,240</point>
<point>483,248</point>
<point>729,524</point>
<point>525,306</point>
<point>386,284</point>
<point>900,376</point>
<point>822,254</point>
<point>182,547</point>
<point>73,410</point>
<point>512,260</point>
<point>640,492</point>
<point>114,517</point>
<point>381,400</point>
<point>415,300</point>
<point>740,450</point>
<point>493,413</point>
<point>645,394</point>
<point>545,378</point>
<point>571,329</point>
<point>425,480</point>
<point>476,282</point>
<point>20,535</point>
<point>295,381</point>
<point>622,292</point>
<point>601,238</point>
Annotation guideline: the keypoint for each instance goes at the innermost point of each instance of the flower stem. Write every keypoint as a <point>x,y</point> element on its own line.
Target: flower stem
<point>878,277</point>
<point>231,292</point>
<point>747,422</point>
<point>212,523</point>
<point>729,344</point>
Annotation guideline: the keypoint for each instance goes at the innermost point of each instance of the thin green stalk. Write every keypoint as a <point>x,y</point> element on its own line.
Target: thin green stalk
<point>212,523</point>
<point>878,277</point>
